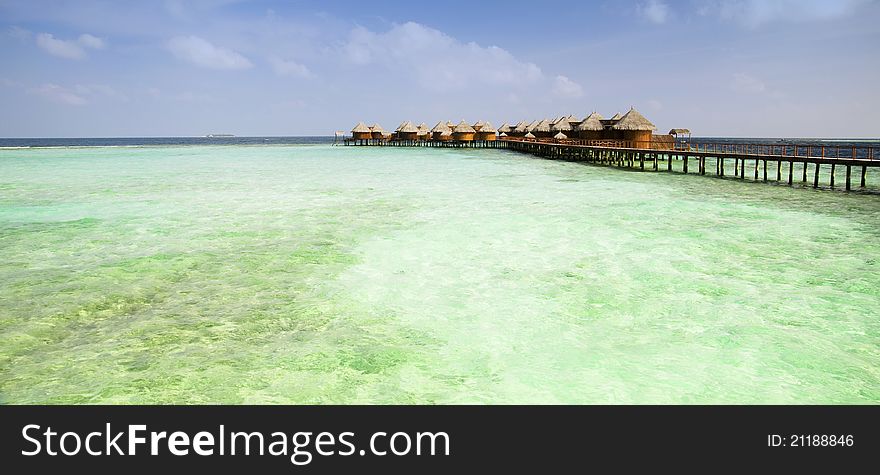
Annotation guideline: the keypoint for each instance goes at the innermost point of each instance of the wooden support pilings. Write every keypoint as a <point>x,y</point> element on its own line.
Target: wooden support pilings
<point>627,157</point>
<point>848,183</point>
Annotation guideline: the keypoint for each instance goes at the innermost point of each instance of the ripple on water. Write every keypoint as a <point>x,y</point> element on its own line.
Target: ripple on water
<point>341,275</point>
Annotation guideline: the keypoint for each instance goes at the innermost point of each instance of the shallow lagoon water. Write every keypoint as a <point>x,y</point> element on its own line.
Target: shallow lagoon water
<point>320,274</point>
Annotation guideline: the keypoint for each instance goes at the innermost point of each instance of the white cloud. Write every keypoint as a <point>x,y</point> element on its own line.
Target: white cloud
<point>289,68</point>
<point>437,61</point>
<point>654,11</point>
<point>565,87</point>
<point>56,93</point>
<point>745,83</point>
<point>754,13</point>
<point>90,41</point>
<point>202,53</point>
<point>69,49</point>
<point>60,48</point>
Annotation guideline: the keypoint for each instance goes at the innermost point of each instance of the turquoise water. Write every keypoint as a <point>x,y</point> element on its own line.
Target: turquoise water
<point>319,274</point>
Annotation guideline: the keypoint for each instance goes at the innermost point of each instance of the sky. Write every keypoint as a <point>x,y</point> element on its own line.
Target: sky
<point>740,68</point>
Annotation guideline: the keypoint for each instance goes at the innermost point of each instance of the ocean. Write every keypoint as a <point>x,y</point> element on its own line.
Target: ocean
<point>288,270</point>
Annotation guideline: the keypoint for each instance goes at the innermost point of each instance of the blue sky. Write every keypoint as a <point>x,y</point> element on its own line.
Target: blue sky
<point>151,68</point>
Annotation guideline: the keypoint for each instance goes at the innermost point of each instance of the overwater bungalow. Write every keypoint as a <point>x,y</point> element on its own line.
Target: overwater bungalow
<point>463,132</point>
<point>532,125</point>
<point>441,132</point>
<point>591,127</point>
<point>634,127</point>
<point>561,125</point>
<point>542,129</point>
<point>519,129</point>
<point>487,132</point>
<point>630,130</point>
<point>361,132</point>
<point>424,133</point>
<point>407,131</point>
<point>377,132</point>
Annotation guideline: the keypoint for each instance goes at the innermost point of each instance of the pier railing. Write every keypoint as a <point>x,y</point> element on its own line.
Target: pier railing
<point>785,150</point>
<point>751,149</point>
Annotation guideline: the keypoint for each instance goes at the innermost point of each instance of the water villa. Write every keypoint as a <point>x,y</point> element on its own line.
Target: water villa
<point>463,132</point>
<point>629,140</point>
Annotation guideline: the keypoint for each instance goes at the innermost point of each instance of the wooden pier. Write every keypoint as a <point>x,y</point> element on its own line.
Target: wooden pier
<point>761,162</point>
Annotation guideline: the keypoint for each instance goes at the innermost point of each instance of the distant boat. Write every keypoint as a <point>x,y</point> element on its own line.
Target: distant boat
<point>219,135</point>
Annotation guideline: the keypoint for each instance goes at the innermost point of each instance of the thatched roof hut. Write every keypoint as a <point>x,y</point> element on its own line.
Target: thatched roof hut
<point>377,131</point>
<point>478,125</point>
<point>407,131</point>
<point>532,125</point>
<point>615,116</point>
<point>407,127</point>
<point>633,120</point>
<point>520,128</point>
<point>441,131</point>
<point>542,128</point>
<point>560,136</point>
<point>561,125</point>
<point>529,135</point>
<point>463,131</point>
<point>634,127</point>
<point>591,122</point>
<point>423,131</point>
<point>505,128</point>
<point>486,132</point>
<point>502,134</point>
<point>591,127</point>
<point>450,124</point>
<point>679,132</point>
<point>361,132</point>
<point>463,128</point>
